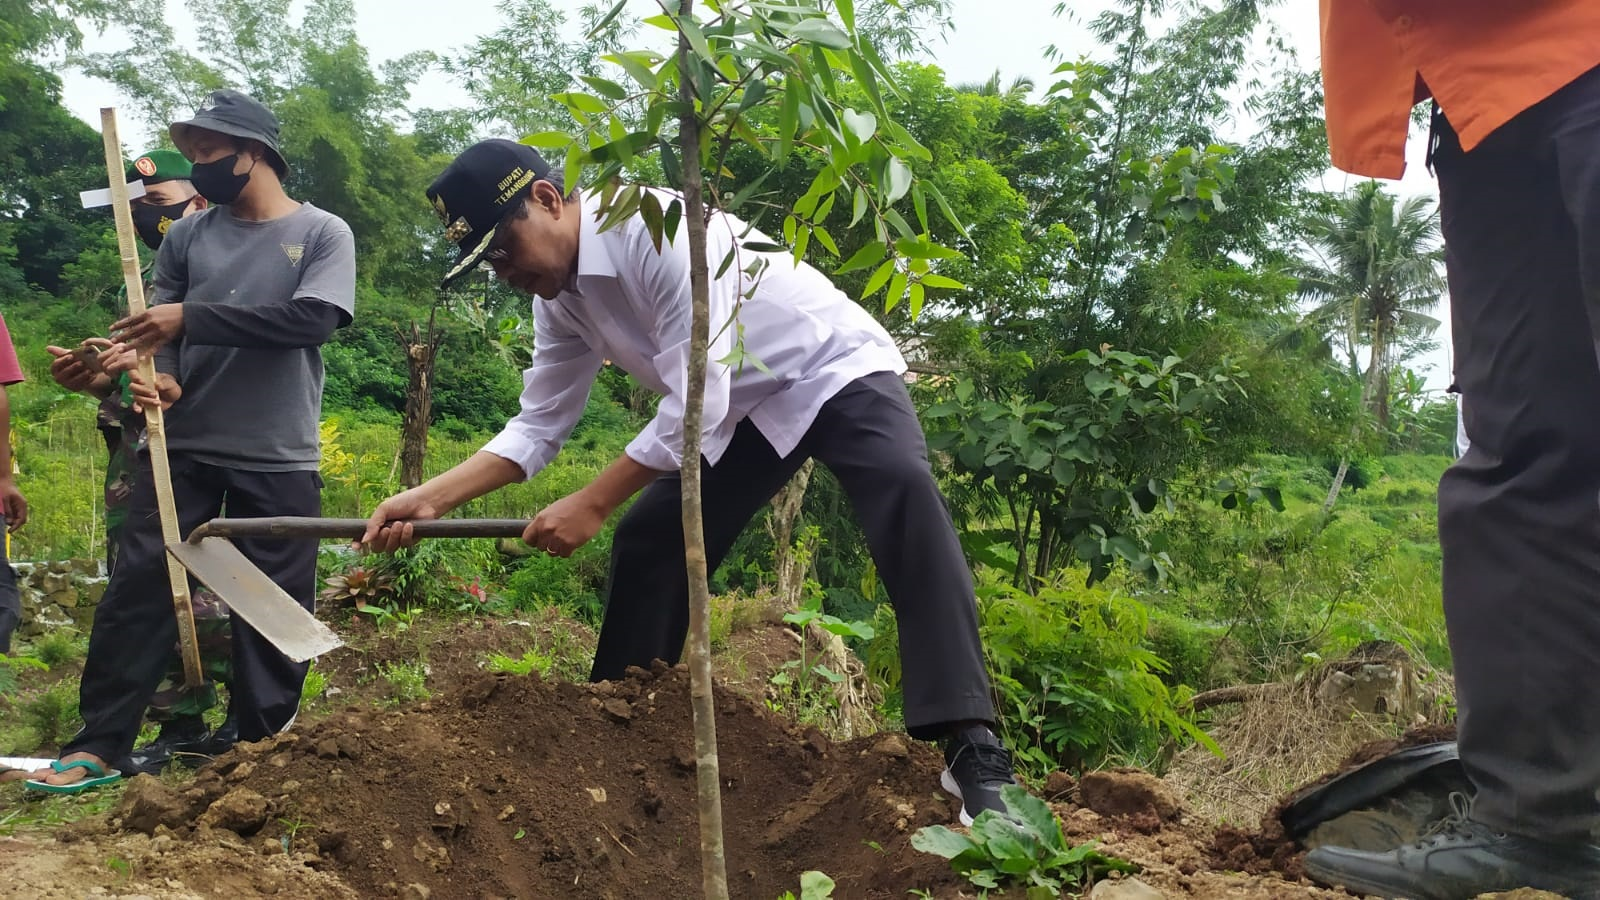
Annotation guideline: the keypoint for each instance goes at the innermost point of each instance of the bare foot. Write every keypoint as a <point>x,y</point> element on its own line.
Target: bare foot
<point>72,775</point>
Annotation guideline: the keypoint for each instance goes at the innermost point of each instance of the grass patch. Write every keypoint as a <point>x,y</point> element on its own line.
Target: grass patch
<point>24,812</point>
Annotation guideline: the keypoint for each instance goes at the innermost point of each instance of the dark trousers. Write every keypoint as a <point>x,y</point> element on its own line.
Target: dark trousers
<point>1519,514</point>
<point>135,626</point>
<point>10,597</point>
<point>869,437</point>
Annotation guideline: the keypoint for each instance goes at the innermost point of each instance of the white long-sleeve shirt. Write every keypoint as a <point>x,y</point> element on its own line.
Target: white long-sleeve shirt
<point>630,305</point>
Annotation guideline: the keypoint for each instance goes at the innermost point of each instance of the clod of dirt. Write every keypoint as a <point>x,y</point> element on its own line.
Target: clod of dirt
<point>147,803</point>
<point>241,810</point>
<point>1058,786</point>
<point>1130,794</point>
<point>892,746</point>
<point>618,709</point>
<point>1125,889</point>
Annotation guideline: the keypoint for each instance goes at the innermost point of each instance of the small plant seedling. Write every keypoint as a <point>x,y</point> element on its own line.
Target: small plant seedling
<point>521,833</point>
<point>1025,848</point>
<point>814,885</point>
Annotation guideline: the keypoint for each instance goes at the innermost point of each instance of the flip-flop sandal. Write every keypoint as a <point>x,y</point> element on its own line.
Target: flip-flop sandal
<point>98,776</point>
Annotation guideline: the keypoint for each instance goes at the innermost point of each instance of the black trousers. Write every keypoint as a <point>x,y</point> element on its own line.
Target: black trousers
<point>131,643</point>
<point>10,596</point>
<point>1519,514</point>
<point>869,437</point>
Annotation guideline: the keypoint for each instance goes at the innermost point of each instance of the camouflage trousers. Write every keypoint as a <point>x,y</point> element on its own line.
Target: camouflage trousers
<point>174,700</point>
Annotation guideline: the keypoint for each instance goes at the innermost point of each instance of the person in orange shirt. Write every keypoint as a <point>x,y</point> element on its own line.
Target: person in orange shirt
<point>1515,145</point>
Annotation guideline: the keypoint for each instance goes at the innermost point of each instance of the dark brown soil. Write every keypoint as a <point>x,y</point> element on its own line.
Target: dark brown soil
<point>515,787</point>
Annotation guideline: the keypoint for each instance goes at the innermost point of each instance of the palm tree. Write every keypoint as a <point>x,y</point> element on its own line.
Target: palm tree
<point>1374,276</point>
<point>1019,88</point>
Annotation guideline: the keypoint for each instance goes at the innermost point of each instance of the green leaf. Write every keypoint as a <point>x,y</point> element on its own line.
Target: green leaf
<point>755,93</point>
<point>847,13</point>
<point>551,140</point>
<point>669,164</point>
<point>825,239</point>
<point>898,177</point>
<point>858,206</point>
<point>915,296</point>
<point>949,214</point>
<point>607,19</point>
<point>815,886</point>
<point>868,255</point>
<point>674,215</point>
<point>935,280</point>
<point>581,102</point>
<point>941,841</point>
<point>640,66</point>
<point>861,125</point>
<point>818,30</point>
<point>1274,497</point>
<point>605,88</point>
<point>788,117</point>
<point>920,203</point>
<point>690,29</point>
<point>1097,381</point>
<point>654,217</point>
<point>878,279</point>
<point>1064,472</point>
<point>897,291</point>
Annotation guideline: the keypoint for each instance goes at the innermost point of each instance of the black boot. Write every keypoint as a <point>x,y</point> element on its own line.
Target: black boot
<point>179,737</point>
<point>1460,858</point>
<point>223,739</point>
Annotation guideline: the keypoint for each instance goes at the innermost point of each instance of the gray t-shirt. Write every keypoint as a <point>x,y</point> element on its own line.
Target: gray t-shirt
<point>252,399</point>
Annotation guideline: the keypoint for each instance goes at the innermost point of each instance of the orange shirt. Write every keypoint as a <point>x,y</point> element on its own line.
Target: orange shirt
<point>1484,61</point>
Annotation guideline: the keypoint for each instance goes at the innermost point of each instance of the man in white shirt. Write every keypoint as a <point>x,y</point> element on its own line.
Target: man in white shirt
<point>828,386</point>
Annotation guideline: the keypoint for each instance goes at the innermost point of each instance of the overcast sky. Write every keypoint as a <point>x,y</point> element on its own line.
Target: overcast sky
<point>981,41</point>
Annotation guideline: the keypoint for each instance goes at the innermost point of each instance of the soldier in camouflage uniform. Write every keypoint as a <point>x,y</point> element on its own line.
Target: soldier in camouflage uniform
<point>105,372</point>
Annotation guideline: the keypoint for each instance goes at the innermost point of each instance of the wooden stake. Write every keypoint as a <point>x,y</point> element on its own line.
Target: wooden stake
<point>156,431</point>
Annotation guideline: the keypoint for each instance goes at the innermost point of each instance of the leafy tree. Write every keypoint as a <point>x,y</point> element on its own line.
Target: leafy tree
<point>50,155</point>
<point>791,56</point>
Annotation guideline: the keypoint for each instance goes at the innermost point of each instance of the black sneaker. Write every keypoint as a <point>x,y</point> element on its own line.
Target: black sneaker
<point>976,767</point>
<point>179,737</point>
<point>1460,858</point>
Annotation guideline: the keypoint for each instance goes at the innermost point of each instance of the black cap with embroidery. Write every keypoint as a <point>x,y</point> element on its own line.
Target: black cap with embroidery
<point>474,192</point>
<point>235,114</point>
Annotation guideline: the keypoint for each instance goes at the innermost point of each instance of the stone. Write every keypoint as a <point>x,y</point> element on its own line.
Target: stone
<point>240,810</point>
<point>415,892</point>
<point>1125,889</point>
<point>54,582</point>
<point>618,709</point>
<point>93,591</point>
<point>66,598</point>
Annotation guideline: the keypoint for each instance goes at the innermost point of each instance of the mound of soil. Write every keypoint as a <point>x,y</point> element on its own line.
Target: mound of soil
<point>516,787</point>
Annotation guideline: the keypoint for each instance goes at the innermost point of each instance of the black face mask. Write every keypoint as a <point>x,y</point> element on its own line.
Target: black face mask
<point>152,222</point>
<point>216,180</point>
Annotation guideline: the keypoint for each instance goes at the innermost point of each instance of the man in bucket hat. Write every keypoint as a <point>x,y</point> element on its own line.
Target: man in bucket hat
<point>245,294</point>
<point>829,387</point>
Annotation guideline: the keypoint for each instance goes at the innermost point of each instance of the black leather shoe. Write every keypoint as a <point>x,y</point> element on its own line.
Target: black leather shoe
<point>1460,858</point>
<point>178,738</point>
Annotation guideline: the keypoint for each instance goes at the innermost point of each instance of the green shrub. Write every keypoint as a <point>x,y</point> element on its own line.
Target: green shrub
<point>52,715</point>
<point>60,647</point>
<point>1077,681</point>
